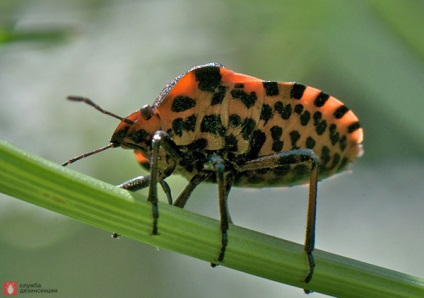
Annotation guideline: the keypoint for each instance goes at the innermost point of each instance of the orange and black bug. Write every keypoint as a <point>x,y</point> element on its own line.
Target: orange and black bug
<point>215,125</point>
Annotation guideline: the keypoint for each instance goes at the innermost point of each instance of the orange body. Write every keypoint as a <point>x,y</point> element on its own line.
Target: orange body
<point>213,110</point>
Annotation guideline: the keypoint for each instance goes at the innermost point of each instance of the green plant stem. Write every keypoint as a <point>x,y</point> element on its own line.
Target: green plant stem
<point>48,185</point>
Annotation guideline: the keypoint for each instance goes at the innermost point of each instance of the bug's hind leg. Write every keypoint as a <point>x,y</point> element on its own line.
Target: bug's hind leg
<point>293,157</point>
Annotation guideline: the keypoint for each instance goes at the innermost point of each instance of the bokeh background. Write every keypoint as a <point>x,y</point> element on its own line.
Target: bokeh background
<point>369,54</point>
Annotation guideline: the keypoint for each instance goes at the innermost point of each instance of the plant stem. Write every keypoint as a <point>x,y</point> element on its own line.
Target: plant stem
<point>48,185</point>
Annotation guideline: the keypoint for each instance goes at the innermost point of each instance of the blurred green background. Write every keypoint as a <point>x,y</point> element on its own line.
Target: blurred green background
<point>369,54</point>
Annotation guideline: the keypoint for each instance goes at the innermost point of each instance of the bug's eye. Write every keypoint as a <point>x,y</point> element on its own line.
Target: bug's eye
<point>146,112</point>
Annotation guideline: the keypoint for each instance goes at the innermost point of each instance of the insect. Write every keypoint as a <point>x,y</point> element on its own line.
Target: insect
<point>215,125</point>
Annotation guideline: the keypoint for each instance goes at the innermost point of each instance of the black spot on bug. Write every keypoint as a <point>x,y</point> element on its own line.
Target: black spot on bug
<point>284,111</point>
<point>310,143</point>
<point>212,124</point>
<point>182,103</point>
<point>300,171</point>
<point>262,171</point>
<point>200,164</point>
<point>248,126</point>
<point>342,143</point>
<point>288,159</point>
<point>336,160</point>
<point>298,108</point>
<point>208,77</point>
<point>282,171</point>
<point>238,159</point>
<point>321,126</point>
<point>239,85</point>
<point>256,143</point>
<point>234,120</point>
<point>297,91</point>
<point>219,96</point>
<point>277,145</point>
<point>119,136</point>
<point>139,136</point>
<point>317,117</point>
<point>340,111</point>
<point>304,118</point>
<point>179,125</point>
<point>321,99</point>
<point>325,155</point>
<point>198,145</point>
<point>343,163</point>
<point>248,99</point>
<point>354,126</point>
<point>189,167</point>
<point>190,123</point>
<point>334,135</point>
<point>271,88</point>
<point>276,132</point>
<point>231,143</point>
<point>266,112</point>
<point>254,179</point>
<point>294,137</point>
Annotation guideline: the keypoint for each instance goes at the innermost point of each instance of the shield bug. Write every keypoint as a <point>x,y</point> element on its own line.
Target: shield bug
<point>215,125</point>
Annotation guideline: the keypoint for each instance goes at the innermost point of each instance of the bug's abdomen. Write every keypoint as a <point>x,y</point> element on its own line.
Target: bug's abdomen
<point>295,116</point>
<point>212,110</point>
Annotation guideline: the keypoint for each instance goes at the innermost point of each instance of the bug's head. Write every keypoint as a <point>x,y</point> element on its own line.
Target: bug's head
<point>138,131</point>
<point>134,132</point>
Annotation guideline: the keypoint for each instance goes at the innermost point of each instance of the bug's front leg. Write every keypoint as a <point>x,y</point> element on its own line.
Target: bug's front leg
<point>144,181</point>
<point>160,140</point>
<point>292,157</point>
<point>140,183</point>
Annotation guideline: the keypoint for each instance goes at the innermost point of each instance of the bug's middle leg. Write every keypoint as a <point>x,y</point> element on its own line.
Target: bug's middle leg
<point>224,181</point>
<point>194,182</point>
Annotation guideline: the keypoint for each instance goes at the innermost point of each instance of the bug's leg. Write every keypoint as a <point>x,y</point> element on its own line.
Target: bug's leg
<point>185,194</point>
<point>136,183</point>
<point>160,139</point>
<point>224,181</point>
<point>167,190</point>
<point>311,218</point>
<point>133,185</point>
<point>144,181</point>
<point>292,157</point>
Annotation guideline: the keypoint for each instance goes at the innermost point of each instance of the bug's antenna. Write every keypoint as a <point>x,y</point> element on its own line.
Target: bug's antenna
<point>97,107</point>
<point>72,160</point>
